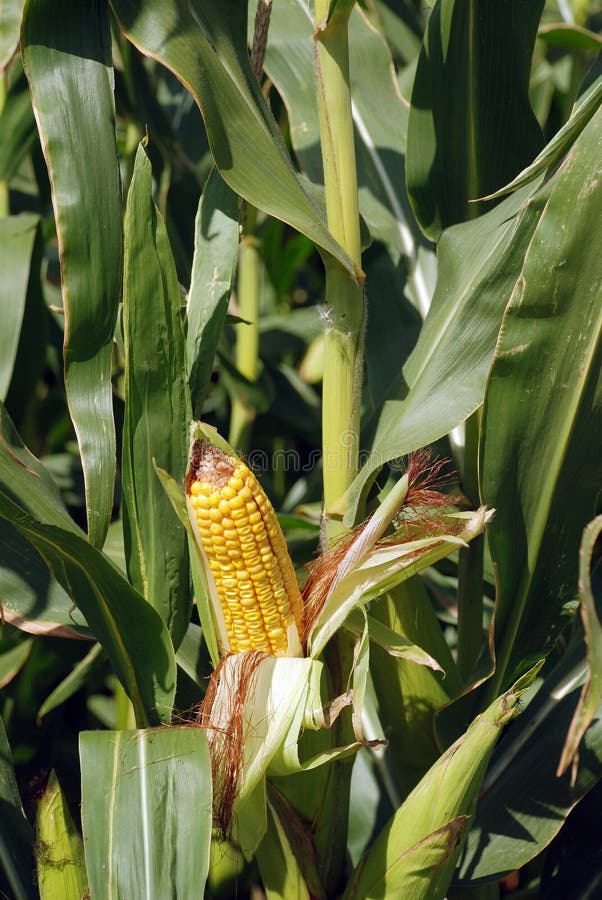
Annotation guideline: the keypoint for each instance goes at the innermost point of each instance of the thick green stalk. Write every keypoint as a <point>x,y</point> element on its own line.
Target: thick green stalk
<point>247,337</point>
<point>470,575</point>
<point>344,308</point>
<point>343,317</point>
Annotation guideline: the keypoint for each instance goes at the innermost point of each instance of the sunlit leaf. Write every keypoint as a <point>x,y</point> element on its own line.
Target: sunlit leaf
<point>66,50</point>
<point>157,407</point>
<point>146,812</point>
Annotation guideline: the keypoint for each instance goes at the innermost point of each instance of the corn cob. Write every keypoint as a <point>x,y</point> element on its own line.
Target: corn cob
<point>253,573</point>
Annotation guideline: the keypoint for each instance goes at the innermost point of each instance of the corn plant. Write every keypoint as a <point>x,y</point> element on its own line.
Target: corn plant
<point>300,454</point>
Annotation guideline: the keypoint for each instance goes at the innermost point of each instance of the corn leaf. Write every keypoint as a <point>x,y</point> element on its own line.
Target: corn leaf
<point>541,460</point>
<point>479,267</point>
<point>286,856</point>
<point>17,126</point>
<point>205,45</point>
<point>591,696</point>
<point>471,127</point>
<point>523,803</point>
<point>16,835</point>
<point>12,660</point>
<point>395,865</point>
<point>17,235</point>
<point>380,139</point>
<point>213,269</point>
<point>157,408</point>
<point>66,49</point>
<point>130,631</point>
<point>75,680</point>
<point>583,110</point>
<point>11,12</point>
<point>409,695</point>
<point>30,597</point>
<point>60,852</point>
<point>146,812</point>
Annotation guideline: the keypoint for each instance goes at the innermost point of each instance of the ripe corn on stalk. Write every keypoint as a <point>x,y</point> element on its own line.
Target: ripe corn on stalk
<point>260,605</point>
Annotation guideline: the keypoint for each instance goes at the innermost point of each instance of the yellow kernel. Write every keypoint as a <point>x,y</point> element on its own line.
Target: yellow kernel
<point>224,508</point>
<point>238,514</point>
<point>242,575</point>
<point>246,493</point>
<point>228,493</point>
<point>243,528</point>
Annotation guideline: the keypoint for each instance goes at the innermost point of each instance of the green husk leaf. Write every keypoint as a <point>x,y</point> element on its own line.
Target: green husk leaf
<point>591,695</point>
<point>60,852</point>
<point>447,793</point>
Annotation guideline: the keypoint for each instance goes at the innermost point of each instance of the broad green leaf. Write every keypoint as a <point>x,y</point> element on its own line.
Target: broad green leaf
<point>443,381</point>
<point>75,680</point>
<point>17,127</point>
<point>191,656</point>
<point>447,792</point>
<point>146,812</point>
<point>575,37</point>
<point>157,407</point>
<point>408,695</point>
<point>591,696</point>
<point>12,660</point>
<point>16,835</point>
<point>392,329</point>
<point>66,49</point>
<point>31,599</point>
<point>213,268</point>
<point>380,139</point>
<point>584,109</point>
<point>523,803</point>
<point>205,46</point>
<point>130,631</point>
<point>60,852</point>
<point>541,460</point>
<point>10,26</point>
<point>17,235</point>
<point>471,127</point>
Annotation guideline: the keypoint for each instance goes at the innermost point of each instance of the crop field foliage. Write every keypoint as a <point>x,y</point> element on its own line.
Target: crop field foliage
<point>300,449</point>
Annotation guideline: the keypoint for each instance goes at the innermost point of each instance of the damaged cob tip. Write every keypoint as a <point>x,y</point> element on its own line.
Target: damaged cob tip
<point>257,601</point>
